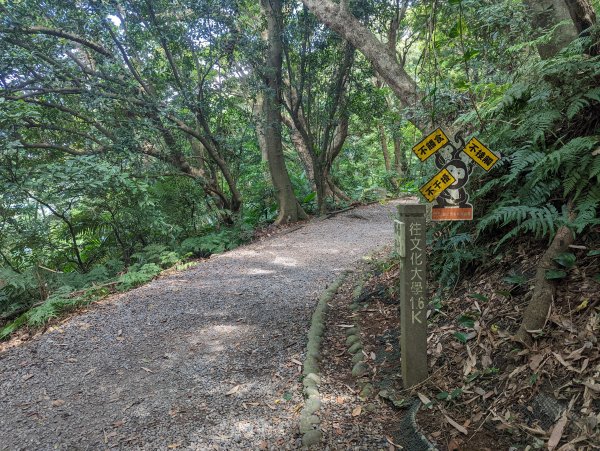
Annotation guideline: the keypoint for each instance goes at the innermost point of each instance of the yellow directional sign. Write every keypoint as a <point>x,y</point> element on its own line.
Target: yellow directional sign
<point>436,186</point>
<point>483,156</point>
<point>430,144</point>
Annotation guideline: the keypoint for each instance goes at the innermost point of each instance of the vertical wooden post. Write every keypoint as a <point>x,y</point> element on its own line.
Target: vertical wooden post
<point>413,291</point>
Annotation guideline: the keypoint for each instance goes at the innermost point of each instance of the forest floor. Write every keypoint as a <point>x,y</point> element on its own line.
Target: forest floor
<point>205,358</point>
<point>485,391</point>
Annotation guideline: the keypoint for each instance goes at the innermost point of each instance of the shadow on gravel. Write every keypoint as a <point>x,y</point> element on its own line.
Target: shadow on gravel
<point>201,359</point>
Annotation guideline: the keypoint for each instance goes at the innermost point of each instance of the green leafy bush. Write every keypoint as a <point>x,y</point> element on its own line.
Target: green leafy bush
<point>215,242</point>
<point>138,275</point>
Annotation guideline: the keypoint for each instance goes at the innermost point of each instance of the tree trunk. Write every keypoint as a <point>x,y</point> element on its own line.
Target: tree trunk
<point>336,191</point>
<point>384,148</point>
<point>290,209</point>
<point>321,184</point>
<point>538,309</point>
<point>386,156</point>
<point>399,158</point>
<point>260,130</point>
<point>302,150</point>
<point>582,13</point>
<point>583,16</point>
<point>378,53</point>
<point>546,14</point>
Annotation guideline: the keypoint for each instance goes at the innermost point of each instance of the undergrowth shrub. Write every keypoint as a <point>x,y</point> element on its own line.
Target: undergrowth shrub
<point>216,242</point>
<point>138,275</point>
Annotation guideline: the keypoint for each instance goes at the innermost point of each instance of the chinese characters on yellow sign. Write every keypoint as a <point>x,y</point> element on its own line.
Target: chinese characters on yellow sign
<point>454,162</point>
<point>434,187</point>
<point>430,144</point>
<point>480,154</point>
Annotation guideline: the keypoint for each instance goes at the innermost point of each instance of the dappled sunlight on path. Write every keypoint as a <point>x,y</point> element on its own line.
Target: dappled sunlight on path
<point>199,359</point>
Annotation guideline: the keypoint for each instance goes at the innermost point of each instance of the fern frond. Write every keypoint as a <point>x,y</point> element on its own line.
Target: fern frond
<point>593,94</point>
<point>576,106</point>
<point>541,221</point>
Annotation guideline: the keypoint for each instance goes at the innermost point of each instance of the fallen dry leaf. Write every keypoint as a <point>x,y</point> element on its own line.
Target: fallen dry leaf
<point>58,403</point>
<point>356,411</point>
<point>233,390</point>
<point>424,399</point>
<point>454,445</point>
<point>557,432</point>
<point>457,426</point>
<point>395,445</point>
<point>535,361</point>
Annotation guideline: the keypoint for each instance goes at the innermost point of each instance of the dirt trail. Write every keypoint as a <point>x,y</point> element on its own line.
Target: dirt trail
<point>201,359</point>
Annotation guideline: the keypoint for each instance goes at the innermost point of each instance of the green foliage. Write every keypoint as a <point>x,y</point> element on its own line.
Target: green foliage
<point>138,275</point>
<point>452,252</point>
<point>566,260</point>
<point>554,274</point>
<point>215,242</point>
<point>546,128</point>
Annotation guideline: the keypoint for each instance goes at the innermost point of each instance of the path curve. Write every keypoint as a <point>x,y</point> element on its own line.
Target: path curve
<point>201,359</point>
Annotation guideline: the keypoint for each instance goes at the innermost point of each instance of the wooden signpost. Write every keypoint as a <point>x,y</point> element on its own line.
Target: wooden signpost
<point>447,189</point>
<point>413,292</point>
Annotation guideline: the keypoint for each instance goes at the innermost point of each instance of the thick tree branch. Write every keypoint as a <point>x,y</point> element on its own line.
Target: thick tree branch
<point>378,53</point>
<point>59,34</point>
<point>65,149</point>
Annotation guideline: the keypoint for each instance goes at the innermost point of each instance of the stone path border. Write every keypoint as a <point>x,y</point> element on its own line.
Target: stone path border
<point>309,421</point>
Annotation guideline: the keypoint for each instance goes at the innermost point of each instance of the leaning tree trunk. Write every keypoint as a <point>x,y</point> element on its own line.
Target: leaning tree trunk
<point>302,151</point>
<point>582,13</point>
<point>546,14</point>
<point>340,20</point>
<point>583,16</point>
<point>290,209</point>
<point>336,191</point>
<point>538,309</point>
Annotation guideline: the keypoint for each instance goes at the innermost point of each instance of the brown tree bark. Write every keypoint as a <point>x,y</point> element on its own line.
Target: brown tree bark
<point>582,13</point>
<point>538,309</point>
<point>327,147</point>
<point>290,209</point>
<point>546,14</point>
<point>583,16</point>
<point>378,53</point>
<point>301,150</point>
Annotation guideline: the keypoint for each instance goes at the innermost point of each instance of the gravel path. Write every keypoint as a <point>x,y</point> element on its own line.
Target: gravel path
<point>201,359</point>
